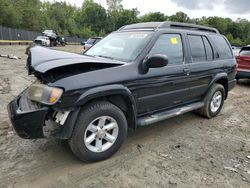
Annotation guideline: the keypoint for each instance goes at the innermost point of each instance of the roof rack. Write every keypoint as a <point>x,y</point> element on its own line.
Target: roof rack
<point>171,25</point>
<point>145,25</point>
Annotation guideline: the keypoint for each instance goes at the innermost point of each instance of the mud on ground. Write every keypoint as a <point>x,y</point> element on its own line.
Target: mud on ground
<point>185,151</point>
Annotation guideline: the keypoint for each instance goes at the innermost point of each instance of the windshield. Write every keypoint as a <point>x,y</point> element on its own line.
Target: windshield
<point>121,46</point>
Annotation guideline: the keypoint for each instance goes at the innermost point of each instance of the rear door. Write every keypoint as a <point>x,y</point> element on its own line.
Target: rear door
<point>201,71</point>
<point>210,55</point>
<point>243,59</point>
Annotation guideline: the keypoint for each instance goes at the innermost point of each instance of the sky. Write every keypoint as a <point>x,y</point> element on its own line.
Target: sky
<point>194,8</point>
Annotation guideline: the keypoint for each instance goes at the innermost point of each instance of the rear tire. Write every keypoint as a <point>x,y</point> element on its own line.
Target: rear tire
<point>99,132</point>
<point>214,101</point>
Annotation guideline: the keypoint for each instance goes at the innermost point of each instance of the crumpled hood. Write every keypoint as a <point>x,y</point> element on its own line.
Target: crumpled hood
<point>43,59</point>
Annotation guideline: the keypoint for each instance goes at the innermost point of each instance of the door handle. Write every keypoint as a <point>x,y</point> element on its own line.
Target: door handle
<point>187,71</point>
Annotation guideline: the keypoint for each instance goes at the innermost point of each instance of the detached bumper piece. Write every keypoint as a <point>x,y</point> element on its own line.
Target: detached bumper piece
<point>27,118</point>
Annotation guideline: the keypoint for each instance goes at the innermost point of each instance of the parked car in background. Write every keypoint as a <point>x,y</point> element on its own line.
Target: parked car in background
<point>139,75</point>
<point>60,40</point>
<point>90,42</point>
<point>83,42</point>
<point>243,60</point>
<point>42,40</point>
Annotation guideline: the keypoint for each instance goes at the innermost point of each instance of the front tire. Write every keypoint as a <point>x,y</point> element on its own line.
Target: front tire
<point>99,132</point>
<point>214,101</point>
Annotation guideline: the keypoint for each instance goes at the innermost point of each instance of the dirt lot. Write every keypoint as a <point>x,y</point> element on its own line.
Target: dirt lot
<point>186,151</point>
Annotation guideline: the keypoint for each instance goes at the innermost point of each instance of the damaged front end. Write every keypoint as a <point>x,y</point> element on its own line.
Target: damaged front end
<point>39,111</point>
<point>32,120</point>
<point>27,118</point>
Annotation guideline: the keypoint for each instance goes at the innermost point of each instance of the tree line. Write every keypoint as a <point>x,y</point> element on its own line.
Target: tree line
<point>92,19</point>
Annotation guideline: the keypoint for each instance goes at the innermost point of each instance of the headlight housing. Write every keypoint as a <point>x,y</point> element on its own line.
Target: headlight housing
<point>44,94</point>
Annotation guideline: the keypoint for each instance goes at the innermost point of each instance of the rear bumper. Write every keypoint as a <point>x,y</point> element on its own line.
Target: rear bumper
<point>231,84</point>
<point>27,119</point>
<point>243,74</point>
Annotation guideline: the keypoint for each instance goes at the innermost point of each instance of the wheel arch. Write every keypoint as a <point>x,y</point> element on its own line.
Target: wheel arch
<point>220,79</point>
<point>115,94</point>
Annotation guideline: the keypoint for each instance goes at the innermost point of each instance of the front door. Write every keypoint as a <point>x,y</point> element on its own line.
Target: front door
<point>166,87</point>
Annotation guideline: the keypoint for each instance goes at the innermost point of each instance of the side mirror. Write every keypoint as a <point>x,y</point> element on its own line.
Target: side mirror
<point>82,43</point>
<point>154,61</point>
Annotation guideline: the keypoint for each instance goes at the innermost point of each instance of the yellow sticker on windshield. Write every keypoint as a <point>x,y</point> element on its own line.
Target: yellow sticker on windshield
<point>174,40</point>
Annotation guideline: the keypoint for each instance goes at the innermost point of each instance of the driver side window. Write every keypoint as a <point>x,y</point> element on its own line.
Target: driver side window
<point>171,46</point>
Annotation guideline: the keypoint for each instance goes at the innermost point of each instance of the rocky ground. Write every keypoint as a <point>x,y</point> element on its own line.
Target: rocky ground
<point>186,151</point>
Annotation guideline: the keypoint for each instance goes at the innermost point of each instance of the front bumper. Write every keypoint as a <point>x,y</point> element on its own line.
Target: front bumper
<point>27,118</point>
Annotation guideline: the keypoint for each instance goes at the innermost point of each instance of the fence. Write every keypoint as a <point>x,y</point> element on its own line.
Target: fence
<point>12,34</point>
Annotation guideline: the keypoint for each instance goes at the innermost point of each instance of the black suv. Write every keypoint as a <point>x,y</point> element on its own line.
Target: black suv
<point>139,75</point>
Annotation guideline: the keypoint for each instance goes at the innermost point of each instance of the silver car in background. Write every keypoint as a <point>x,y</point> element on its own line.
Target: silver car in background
<point>90,42</point>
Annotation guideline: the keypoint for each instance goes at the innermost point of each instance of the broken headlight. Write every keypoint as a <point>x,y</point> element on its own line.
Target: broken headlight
<point>44,94</point>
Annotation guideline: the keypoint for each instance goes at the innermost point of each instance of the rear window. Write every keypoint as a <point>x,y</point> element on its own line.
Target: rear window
<point>245,51</point>
<point>222,47</point>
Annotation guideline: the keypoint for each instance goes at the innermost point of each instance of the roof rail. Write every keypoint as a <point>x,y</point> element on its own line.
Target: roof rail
<point>168,24</point>
<point>144,25</point>
<point>187,26</point>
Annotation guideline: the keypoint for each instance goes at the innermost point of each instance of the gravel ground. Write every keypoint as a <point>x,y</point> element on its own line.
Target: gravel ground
<point>185,151</point>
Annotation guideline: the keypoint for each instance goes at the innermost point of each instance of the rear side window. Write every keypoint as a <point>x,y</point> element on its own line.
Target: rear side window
<point>245,51</point>
<point>222,47</point>
<point>197,48</point>
<point>171,46</point>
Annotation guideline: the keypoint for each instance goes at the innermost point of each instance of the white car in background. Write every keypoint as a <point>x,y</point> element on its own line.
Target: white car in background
<point>42,40</point>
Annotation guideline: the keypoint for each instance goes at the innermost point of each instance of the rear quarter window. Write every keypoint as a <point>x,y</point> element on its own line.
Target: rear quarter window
<point>209,50</point>
<point>222,47</point>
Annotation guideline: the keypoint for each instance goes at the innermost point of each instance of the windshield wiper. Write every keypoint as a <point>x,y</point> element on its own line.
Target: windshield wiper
<point>103,56</point>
